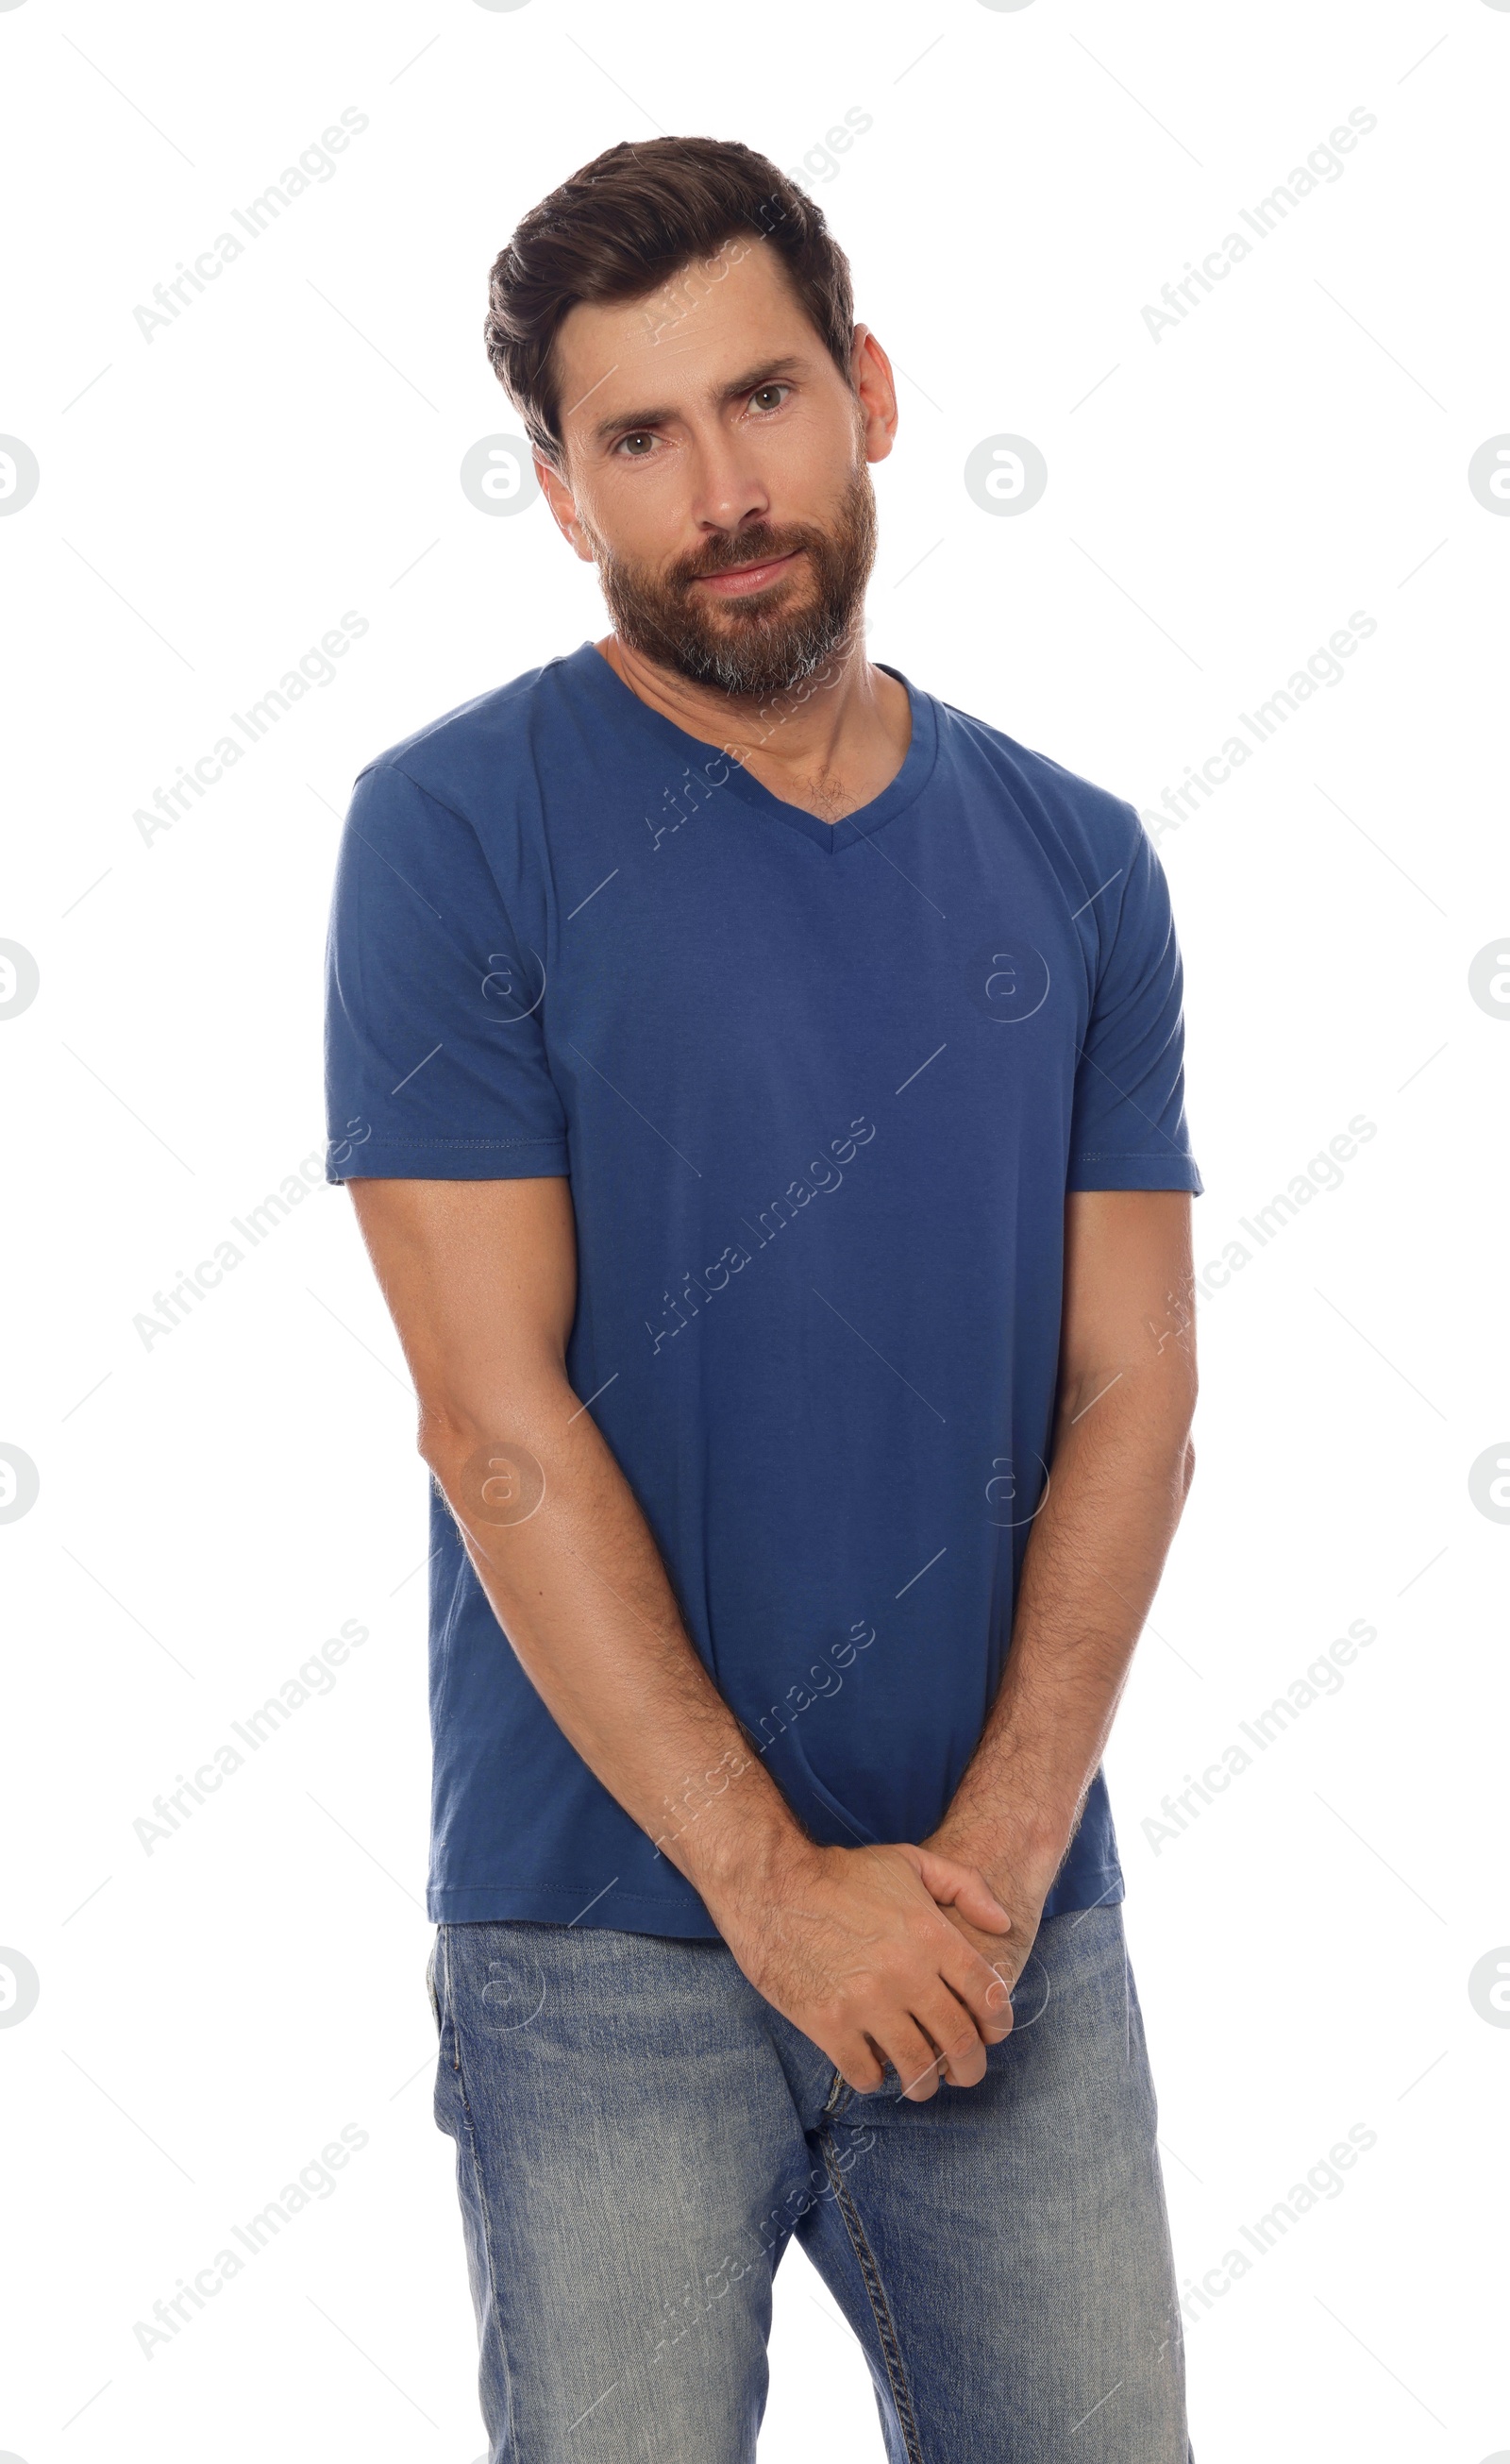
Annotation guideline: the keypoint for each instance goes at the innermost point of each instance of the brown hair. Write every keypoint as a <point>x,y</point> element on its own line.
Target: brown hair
<point>621,227</point>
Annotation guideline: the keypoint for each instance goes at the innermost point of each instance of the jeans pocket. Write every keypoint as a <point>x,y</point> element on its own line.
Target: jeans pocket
<point>429,1983</point>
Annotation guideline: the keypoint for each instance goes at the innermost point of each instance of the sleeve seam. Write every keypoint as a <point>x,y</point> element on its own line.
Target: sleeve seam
<point>415,1146</point>
<point>430,798</point>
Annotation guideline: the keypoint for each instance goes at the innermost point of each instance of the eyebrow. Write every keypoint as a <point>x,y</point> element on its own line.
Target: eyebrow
<point>792,363</point>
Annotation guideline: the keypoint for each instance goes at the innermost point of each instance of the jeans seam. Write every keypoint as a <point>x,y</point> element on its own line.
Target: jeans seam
<point>483,2201</point>
<point>885,2329</point>
<point>838,2096</point>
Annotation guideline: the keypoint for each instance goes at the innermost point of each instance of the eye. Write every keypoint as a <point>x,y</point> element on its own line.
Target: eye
<point>769,397</point>
<point>626,445</point>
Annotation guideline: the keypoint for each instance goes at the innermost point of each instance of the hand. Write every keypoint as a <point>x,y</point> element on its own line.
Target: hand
<point>866,1950</point>
<point>1021,1884</point>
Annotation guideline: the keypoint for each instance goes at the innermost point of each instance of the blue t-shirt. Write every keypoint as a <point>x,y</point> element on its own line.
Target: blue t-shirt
<point>820,1089</point>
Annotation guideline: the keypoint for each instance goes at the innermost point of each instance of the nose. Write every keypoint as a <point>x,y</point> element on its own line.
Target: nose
<point>728,491</point>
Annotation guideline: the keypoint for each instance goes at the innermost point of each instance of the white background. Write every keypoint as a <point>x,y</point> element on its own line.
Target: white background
<point>213,1506</point>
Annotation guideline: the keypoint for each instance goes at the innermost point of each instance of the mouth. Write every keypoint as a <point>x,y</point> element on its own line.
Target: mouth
<point>735,580</point>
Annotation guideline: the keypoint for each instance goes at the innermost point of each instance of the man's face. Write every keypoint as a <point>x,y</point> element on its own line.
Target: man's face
<point>716,471</point>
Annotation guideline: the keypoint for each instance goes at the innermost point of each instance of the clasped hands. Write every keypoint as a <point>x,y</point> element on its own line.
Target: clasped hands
<point>888,1954</point>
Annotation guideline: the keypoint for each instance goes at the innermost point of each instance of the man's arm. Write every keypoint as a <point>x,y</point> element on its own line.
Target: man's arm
<point>852,1944</point>
<point>1120,1466</point>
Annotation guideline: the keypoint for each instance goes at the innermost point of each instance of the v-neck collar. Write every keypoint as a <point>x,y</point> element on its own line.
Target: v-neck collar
<point>623,707</point>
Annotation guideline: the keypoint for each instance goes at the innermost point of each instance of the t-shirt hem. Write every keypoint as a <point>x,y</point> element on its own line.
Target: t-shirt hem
<point>454,1159</point>
<point>550,1904</point>
<point>1134,1172</point>
<point>1104,1886</point>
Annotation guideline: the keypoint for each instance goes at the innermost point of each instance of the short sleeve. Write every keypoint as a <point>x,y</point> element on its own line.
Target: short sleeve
<point>435,1061</point>
<point>1127,1129</point>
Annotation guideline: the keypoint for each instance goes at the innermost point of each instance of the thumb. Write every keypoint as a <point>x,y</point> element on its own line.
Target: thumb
<point>962,1887</point>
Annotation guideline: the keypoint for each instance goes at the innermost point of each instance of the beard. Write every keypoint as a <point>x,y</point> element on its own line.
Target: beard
<point>775,638</point>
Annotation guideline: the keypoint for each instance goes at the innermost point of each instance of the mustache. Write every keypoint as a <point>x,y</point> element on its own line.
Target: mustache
<point>754,546</point>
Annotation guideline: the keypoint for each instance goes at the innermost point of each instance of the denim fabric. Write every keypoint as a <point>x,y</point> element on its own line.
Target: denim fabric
<point>639,2134</point>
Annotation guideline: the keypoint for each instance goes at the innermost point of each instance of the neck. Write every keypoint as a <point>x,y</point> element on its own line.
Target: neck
<point>826,737</point>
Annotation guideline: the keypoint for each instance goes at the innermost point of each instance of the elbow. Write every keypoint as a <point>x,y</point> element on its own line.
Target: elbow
<point>488,1478</point>
<point>440,1435</point>
<point>455,1435</point>
<point>449,1436</point>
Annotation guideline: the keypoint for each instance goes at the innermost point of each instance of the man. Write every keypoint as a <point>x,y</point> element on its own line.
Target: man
<point>760,1090</point>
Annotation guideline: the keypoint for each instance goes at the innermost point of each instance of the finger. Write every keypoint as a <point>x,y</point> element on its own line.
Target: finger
<point>860,2064</point>
<point>855,2054</point>
<point>914,2060</point>
<point>950,2031</point>
<point>985,1990</point>
<point>962,1887</point>
<point>994,2025</point>
<point>978,1903</point>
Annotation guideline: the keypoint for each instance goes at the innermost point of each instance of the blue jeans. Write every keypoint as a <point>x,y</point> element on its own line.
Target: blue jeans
<point>639,2134</point>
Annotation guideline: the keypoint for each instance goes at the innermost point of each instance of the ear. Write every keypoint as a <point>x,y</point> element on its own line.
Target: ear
<point>563,506</point>
<point>870,371</point>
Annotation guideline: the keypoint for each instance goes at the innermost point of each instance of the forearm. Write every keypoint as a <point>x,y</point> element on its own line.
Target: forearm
<point>1118,1480</point>
<point>579,1590</point>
